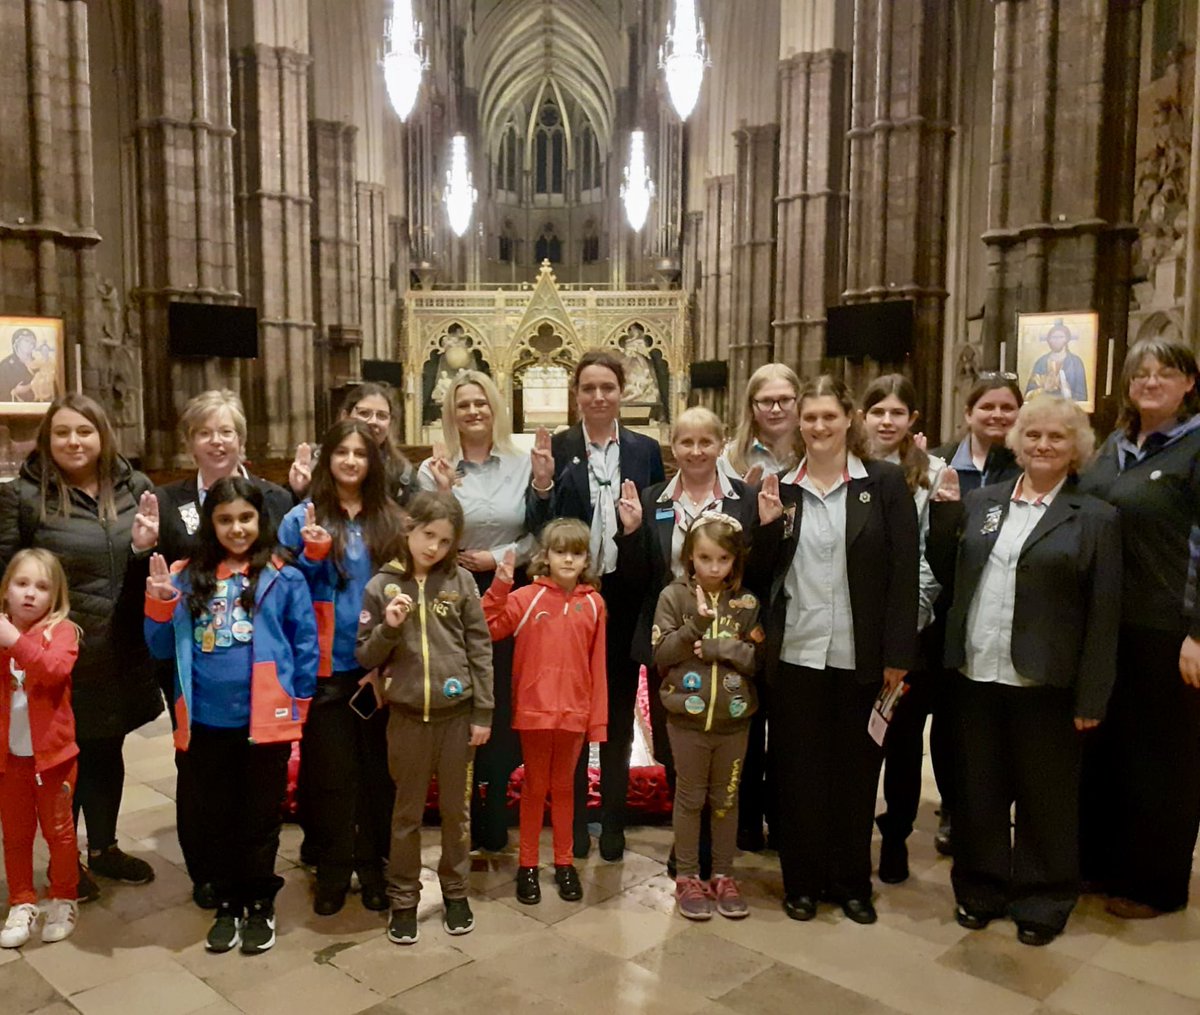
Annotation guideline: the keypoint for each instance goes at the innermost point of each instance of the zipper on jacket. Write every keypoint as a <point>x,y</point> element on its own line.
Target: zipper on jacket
<point>424,641</point>
<point>714,597</point>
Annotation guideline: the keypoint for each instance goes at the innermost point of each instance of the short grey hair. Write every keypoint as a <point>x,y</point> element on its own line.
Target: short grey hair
<point>1055,409</point>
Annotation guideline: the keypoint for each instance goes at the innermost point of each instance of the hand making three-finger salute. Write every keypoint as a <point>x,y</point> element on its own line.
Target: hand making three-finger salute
<point>541,464</point>
<point>144,535</point>
<point>629,507</point>
<point>770,507</point>
<point>311,531</point>
<point>158,583</point>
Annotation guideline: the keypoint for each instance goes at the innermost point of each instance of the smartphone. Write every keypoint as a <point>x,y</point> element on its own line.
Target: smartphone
<point>363,702</point>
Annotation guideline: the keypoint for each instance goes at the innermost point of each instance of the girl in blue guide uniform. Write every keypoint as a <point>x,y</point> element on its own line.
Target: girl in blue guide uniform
<point>239,624</point>
<point>340,538</point>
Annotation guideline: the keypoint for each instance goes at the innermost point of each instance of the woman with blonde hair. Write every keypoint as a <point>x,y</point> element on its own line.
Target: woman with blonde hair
<point>477,462</point>
<point>766,441</point>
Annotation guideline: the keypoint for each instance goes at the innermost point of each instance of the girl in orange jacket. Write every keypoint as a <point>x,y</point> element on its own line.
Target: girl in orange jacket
<point>38,648</point>
<point>560,692</point>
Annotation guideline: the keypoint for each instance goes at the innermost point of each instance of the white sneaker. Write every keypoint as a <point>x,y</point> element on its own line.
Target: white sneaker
<point>19,925</point>
<point>61,917</point>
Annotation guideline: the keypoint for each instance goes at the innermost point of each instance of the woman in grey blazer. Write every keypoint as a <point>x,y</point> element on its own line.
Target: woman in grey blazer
<point>1033,633</point>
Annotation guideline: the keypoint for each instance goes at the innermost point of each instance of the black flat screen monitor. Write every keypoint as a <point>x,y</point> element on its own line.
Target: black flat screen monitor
<point>212,329</point>
<point>882,331</point>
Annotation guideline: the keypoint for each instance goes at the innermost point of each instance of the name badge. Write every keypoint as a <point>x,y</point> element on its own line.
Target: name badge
<point>664,514</point>
<point>991,521</point>
<point>191,518</point>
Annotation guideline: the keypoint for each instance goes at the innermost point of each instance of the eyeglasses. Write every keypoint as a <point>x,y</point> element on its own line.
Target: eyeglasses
<point>1167,375</point>
<point>370,415</point>
<point>996,375</point>
<point>767,404</point>
<point>226,435</point>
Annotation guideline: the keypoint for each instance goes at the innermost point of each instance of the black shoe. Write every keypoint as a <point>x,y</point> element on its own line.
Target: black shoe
<point>88,890</point>
<point>860,910</point>
<point>529,889</point>
<point>800,907</point>
<point>893,861</point>
<point>308,854</point>
<point>672,866</point>
<point>226,931</point>
<point>258,932</point>
<point>973,919</point>
<point>204,895</point>
<point>457,917</point>
<point>612,845</point>
<point>750,841</point>
<point>1035,934</point>
<point>582,845</point>
<point>329,899</point>
<point>567,879</point>
<point>943,841</point>
<point>402,926</point>
<point>120,866</point>
<point>375,896</point>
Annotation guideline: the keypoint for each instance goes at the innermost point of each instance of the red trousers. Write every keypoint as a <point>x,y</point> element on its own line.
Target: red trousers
<point>24,803</point>
<point>550,757</point>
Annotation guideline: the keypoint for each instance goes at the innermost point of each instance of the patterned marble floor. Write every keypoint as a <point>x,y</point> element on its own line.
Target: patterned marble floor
<point>140,950</point>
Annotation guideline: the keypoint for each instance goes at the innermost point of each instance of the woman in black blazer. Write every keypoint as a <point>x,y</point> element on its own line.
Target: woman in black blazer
<point>596,462</point>
<point>1033,630</point>
<point>841,623</point>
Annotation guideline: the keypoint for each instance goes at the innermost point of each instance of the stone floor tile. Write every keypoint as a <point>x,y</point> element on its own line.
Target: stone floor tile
<point>1003,960</point>
<point>621,926</point>
<point>1093,991</point>
<point>388,968</point>
<point>312,988</point>
<point>702,963</point>
<point>782,990</point>
<point>168,991</point>
<point>23,989</point>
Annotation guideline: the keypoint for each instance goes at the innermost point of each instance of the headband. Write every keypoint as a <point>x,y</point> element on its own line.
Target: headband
<point>714,517</point>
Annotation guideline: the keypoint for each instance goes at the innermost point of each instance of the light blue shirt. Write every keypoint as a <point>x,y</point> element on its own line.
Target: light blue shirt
<point>687,511</point>
<point>928,587</point>
<point>819,630</point>
<point>990,618</point>
<point>492,496</point>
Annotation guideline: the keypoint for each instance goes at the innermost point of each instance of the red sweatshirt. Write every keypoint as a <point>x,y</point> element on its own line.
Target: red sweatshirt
<point>47,657</point>
<point>559,672</point>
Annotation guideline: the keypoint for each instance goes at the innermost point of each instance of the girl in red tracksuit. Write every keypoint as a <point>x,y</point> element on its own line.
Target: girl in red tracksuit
<point>38,647</point>
<point>560,692</point>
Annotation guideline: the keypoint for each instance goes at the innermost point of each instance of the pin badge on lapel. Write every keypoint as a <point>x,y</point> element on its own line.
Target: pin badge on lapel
<point>991,521</point>
<point>865,497</point>
<point>575,460</point>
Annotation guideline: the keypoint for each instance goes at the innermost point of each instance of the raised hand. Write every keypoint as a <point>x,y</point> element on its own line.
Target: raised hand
<point>145,523</point>
<point>504,570</point>
<point>443,471</point>
<point>921,441</point>
<point>300,473</point>
<point>311,532</point>
<point>702,605</point>
<point>948,488</point>
<point>397,610</point>
<point>158,583</point>
<point>542,462</point>
<point>753,475</point>
<point>8,632</point>
<point>629,507</point>
<point>770,507</point>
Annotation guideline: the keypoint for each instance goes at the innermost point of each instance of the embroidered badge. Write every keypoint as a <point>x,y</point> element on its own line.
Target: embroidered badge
<point>391,590</point>
<point>655,635</point>
<point>694,704</point>
<point>865,497</point>
<point>746,601</point>
<point>364,617</point>
<point>692,681</point>
<point>1156,474</point>
<point>991,521</point>
<point>191,518</point>
<point>737,707</point>
<point>452,688</point>
<point>732,682</point>
<point>789,520</point>
<point>447,597</point>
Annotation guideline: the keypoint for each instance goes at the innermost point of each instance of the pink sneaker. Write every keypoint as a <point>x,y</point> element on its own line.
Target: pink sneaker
<point>693,898</point>
<point>729,898</point>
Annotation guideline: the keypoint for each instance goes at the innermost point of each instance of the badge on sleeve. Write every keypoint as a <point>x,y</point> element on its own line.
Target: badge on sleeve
<point>391,590</point>
<point>691,681</point>
<point>991,521</point>
<point>364,617</point>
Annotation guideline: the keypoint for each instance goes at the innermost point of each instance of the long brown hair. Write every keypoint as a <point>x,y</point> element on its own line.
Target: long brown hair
<point>913,460</point>
<point>399,468</point>
<point>432,506</point>
<point>382,520</point>
<point>827,385</point>
<point>106,465</point>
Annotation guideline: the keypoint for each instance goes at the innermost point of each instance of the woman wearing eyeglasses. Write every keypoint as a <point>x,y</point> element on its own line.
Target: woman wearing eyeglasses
<point>1141,789</point>
<point>373,405</point>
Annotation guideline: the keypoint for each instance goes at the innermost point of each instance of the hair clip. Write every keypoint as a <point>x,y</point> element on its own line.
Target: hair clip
<point>712,517</point>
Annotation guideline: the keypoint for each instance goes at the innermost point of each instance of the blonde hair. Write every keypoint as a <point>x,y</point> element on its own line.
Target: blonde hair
<point>206,405</point>
<point>700,418</point>
<point>747,430</point>
<point>60,602</point>
<point>1057,410</point>
<point>501,424</point>
<point>565,534</point>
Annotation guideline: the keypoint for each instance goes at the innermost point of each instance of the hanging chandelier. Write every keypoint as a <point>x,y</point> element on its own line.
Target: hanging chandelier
<point>638,189</point>
<point>404,59</point>
<point>459,194</point>
<point>683,57</point>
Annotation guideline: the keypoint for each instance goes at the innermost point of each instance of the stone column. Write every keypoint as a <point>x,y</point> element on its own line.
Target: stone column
<point>270,102</point>
<point>813,107</point>
<point>750,344</point>
<point>373,271</point>
<point>1061,187</point>
<point>899,154</point>
<point>716,288</point>
<point>47,230</point>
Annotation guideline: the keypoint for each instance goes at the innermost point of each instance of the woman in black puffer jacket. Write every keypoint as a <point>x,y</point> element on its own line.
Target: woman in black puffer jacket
<point>78,498</point>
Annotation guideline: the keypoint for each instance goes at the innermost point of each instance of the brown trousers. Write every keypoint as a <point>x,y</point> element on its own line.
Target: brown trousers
<point>708,767</point>
<point>416,752</point>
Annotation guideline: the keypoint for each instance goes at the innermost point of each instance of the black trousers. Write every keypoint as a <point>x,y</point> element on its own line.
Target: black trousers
<point>346,793</point>
<point>904,751</point>
<point>826,771</point>
<point>236,790</point>
<point>496,760</point>
<point>1141,777</point>
<point>99,787</point>
<point>1016,745</point>
<point>757,795</point>
<point>622,604</point>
